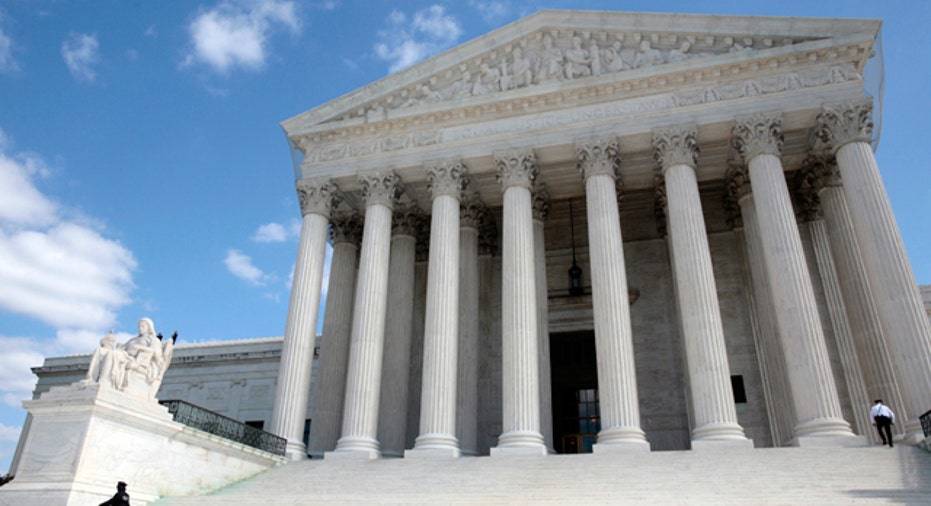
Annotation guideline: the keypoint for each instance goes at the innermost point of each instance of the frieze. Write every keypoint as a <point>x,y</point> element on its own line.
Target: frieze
<point>555,56</point>
<point>325,148</point>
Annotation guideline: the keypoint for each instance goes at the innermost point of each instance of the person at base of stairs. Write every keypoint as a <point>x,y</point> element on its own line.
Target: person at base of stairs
<point>121,498</point>
<point>883,419</point>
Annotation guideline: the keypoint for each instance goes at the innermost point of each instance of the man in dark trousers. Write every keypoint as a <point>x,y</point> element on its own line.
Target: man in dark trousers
<point>121,498</point>
<point>883,420</point>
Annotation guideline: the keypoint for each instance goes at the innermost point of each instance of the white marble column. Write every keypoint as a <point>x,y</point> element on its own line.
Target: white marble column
<point>519,347</point>
<point>780,408</point>
<point>317,197</point>
<point>472,214</point>
<point>445,179</point>
<point>327,416</point>
<point>846,127</point>
<point>420,312</point>
<point>759,141</point>
<point>840,323</point>
<point>392,408</point>
<point>541,208</point>
<point>363,376</point>
<point>599,161</point>
<point>822,177</point>
<point>713,410</point>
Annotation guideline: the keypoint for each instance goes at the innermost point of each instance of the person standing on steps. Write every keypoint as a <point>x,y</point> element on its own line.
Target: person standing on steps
<point>883,419</point>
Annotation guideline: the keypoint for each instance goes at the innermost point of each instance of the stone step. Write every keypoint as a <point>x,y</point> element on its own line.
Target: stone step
<point>867,475</point>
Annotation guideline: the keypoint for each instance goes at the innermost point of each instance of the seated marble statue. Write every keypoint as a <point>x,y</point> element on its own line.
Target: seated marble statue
<point>147,355</point>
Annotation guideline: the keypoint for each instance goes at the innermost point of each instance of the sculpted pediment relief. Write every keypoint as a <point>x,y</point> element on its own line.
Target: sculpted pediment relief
<point>556,56</point>
<point>552,49</point>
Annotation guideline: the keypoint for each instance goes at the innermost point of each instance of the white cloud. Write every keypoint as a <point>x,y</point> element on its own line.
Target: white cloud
<point>22,203</point>
<point>81,53</point>
<point>57,271</point>
<point>8,63</point>
<point>235,34</point>
<point>16,377</point>
<point>407,41</point>
<point>241,266</point>
<point>492,12</point>
<point>276,232</point>
<point>8,433</point>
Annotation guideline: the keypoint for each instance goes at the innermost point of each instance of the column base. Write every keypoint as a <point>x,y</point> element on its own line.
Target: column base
<point>355,447</point>
<point>722,444</point>
<point>823,427</point>
<point>829,441</point>
<point>633,436</point>
<point>295,451</point>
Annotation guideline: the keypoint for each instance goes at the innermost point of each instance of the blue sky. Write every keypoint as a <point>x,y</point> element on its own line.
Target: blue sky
<point>143,171</point>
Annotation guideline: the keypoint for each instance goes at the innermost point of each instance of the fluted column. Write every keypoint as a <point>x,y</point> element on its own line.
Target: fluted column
<point>441,328</point>
<point>316,197</point>
<point>846,127</point>
<point>821,177</point>
<point>599,161</point>
<point>779,405</point>
<point>363,376</point>
<point>392,417</point>
<point>713,409</point>
<point>520,374</point>
<point>330,388</point>
<point>472,215</point>
<point>541,209</point>
<point>759,140</point>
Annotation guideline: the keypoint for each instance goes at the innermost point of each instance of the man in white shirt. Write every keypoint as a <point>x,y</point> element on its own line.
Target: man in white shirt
<point>883,419</point>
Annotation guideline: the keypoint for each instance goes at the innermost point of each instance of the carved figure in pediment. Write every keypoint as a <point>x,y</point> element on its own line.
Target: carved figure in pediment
<point>578,60</point>
<point>520,73</point>
<point>680,53</point>
<point>550,62</point>
<point>462,87</point>
<point>487,81</point>
<point>647,57</point>
<point>611,58</point>
<point>594,53</point>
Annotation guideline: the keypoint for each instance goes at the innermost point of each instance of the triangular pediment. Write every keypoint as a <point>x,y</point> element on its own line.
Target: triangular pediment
<point>559,49</point>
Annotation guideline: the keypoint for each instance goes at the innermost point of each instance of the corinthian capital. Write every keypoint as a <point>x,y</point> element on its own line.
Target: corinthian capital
<point>845,122</point>
<point>317,196</point>
<point>598,156</point>
<point>676,146</point>
<point>346,226</point>
<point>472,212</point>
<point>737,179</point>
<point>407,220</point>
<point>516,168</point>
<point>380,188</point>
<point>759,134</point>
<point>446,177</point>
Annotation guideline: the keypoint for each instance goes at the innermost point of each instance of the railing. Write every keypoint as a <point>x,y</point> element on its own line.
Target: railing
<point>225,427</point>
<point>926,423</point>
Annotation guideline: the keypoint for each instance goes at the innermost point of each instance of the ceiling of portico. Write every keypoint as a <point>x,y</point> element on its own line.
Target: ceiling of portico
<point>650,71</point>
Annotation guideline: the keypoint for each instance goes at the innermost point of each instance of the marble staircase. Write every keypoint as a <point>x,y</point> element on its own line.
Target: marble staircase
<point>765,476</point>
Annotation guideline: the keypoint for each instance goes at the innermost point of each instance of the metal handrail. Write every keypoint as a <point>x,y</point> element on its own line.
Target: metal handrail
<point>214,423</point>
<point>926,423</point>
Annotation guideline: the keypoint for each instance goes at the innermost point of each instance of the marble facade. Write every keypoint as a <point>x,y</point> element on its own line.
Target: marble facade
<point>731,227</point>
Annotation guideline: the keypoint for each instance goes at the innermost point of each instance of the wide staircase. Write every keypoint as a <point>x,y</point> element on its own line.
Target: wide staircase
<point>765,476</point>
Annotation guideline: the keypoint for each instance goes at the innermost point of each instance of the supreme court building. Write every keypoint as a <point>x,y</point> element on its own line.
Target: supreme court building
<point>608,232</point>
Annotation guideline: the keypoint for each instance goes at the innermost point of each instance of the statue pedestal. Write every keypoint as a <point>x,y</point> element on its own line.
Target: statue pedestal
<point>86,437</point>
<point>83,439</point>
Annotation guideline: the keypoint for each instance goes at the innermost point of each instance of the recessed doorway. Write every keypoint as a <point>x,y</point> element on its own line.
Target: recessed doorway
<point>574,379</point>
